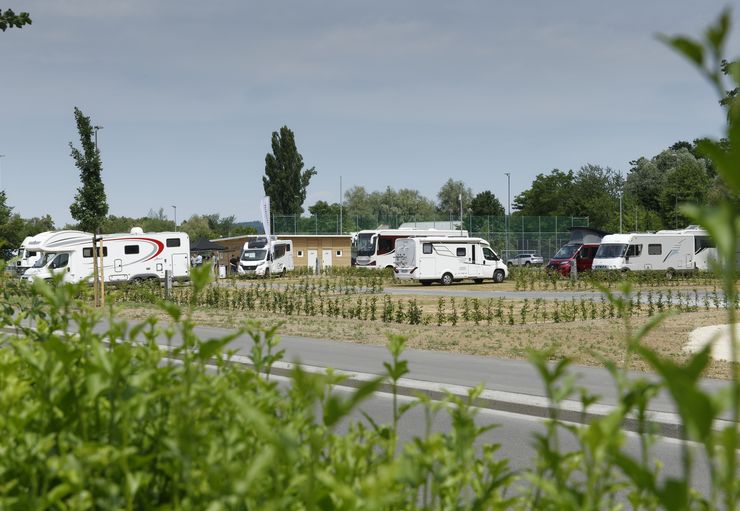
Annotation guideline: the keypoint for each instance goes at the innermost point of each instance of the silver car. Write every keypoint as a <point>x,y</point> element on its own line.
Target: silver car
<point>526,259</point>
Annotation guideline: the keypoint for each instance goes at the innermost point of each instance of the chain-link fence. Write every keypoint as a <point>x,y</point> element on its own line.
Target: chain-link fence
<point>543,235</point>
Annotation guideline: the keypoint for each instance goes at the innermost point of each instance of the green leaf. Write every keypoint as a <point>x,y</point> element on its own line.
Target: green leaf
<point>688,47</point>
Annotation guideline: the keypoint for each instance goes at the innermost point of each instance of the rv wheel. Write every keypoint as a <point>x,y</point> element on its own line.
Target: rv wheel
<point>426,282</point>
<point>446,279</point>
<point>498,276</point>
<point>670,273</point>
<point>478,281</point>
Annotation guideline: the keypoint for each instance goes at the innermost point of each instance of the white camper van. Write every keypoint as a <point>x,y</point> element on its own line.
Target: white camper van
<point>256,260</point>
<point>29,252</point>
<point>447,260</point>
<point>376,247</point>
<point>135,256</point>
<point>679,250</point>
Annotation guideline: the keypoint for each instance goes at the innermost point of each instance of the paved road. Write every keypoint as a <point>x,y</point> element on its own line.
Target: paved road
<point>516,433</point>
<point>496,374</point>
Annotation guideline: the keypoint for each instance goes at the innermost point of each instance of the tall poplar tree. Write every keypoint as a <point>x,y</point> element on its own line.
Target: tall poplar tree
<point>90,206</point>
<point>285,181</point>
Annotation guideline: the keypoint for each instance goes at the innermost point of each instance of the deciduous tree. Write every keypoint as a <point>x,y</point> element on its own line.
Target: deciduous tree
<point>486,204</point>
<point>285,181</point>
<point>90,206</point>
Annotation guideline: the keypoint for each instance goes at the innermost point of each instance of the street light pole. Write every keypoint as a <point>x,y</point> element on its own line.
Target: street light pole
<point>508,216</point>
<point>96,128</point>
<point>175,208</point>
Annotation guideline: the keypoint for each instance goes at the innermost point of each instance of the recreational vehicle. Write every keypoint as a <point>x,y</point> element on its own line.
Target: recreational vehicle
<point>256,259</point>
<point>680,250</point>
<point>447,260</point>
<point>135,256</point>
<point>376,248</point>
<point>29,252</point>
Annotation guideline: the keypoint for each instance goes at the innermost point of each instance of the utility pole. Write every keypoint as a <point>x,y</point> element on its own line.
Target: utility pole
<point>341,204</point>
<point>96,128</point>
<point>175,209</point>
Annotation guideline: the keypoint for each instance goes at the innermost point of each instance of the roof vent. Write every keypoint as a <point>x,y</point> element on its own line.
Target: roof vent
<point>137,230</point>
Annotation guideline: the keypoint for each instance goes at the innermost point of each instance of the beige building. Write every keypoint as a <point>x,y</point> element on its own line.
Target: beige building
<point>329,249</point>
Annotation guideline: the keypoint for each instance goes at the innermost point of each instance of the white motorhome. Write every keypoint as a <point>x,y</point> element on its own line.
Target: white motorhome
<point>134,256</point>
<point>447,259</point>
<point>669,250</point>
<point>256,259</point>
<point>376,247</point>
<point>29,252</point>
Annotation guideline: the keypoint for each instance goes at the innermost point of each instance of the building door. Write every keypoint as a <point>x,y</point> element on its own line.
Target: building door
<point>313,256</point>
<point>326,258</point>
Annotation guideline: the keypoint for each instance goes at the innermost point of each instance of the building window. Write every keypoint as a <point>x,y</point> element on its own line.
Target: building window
<point>339,253</point>
<point>300,253</point>
<point>131,249</point>
<point>655,249</point>
<point>173,242</point>
<point>461,252</point>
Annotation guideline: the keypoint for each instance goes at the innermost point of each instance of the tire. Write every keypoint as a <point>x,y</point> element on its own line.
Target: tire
<point>284,272</point>
<point>478,281</point>
<point>527,263</point>
<point>267,273</point>
<point>446,279</point>
<point>670,273</point>
<point>426,282</point>
<point>498,276</point>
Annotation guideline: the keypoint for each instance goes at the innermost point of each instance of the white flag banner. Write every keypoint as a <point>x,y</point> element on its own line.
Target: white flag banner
<point>265,212</point>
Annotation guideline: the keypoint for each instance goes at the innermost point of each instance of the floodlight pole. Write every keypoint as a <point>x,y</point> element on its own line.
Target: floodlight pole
<point>508,216</point>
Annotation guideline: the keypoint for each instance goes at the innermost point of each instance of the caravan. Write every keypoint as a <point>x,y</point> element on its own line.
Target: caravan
<point>126,257</point>
<point>447,260</point>
<point>679,250</point>
<point>256,260</point>
<point>376,248</point>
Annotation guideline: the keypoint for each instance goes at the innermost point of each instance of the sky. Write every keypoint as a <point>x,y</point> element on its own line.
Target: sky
<point>401,93</point>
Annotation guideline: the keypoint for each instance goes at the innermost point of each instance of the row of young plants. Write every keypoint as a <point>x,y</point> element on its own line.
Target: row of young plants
<point>309,300</point>
<point>542,279</point>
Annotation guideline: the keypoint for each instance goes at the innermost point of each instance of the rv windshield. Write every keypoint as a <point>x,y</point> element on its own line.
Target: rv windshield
<point>252,254</point>
<point>566,252</point>
<point>365,244</point>
<point>44,259</point>
<point>611,250</point>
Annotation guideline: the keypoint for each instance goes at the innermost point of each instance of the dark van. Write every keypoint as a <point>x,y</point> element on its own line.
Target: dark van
<point>580,254</point>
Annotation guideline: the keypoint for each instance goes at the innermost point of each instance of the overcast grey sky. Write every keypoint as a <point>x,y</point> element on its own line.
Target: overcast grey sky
<point>403,93</point>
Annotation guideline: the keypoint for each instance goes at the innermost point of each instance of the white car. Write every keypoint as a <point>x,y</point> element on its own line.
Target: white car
<point>527,259</point>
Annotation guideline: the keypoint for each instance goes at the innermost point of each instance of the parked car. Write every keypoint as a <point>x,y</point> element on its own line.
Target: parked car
<point>527,259</point>
<point>579,254</point>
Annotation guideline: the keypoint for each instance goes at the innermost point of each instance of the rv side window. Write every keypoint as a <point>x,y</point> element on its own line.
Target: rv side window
<point>287,247</point>
<point>634,251</point>
<point>488,254</point>
<point>88,251</point>
<point>279,251</point>
<point>655,249</point>
<point>461,251</point>
<point>173,242</point>
<point>385,245</point>
<point>130,249</point>
<point>702,242</point>
<point>31,254</point>
<point>426,248</point>
<point>60,261</point>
